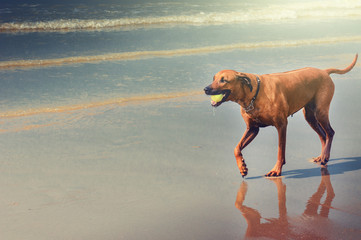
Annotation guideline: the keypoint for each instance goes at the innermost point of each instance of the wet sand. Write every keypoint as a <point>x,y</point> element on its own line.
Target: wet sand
<point>164,169</point>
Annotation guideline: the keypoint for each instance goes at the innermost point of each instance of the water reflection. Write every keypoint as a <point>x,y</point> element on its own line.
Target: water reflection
<point>315,200</point>
<point>279,227</point>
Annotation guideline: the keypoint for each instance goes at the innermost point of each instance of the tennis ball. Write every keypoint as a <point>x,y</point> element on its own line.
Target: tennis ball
<point>217,98</point>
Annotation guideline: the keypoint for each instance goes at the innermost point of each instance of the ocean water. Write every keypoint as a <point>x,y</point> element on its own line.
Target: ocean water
<point>105,132</point>
<point>74,52</point>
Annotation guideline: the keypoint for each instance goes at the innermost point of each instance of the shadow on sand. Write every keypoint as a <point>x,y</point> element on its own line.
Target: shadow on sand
<point>335,166</point>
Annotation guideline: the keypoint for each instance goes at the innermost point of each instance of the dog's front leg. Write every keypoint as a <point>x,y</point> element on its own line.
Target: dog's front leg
<point>248,136</point>
<point>281,158</point>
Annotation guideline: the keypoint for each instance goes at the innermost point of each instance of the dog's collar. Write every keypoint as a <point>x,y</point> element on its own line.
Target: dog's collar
<point>250,107</point>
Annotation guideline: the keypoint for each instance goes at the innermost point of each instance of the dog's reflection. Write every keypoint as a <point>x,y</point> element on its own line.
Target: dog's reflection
<point>279,228</point>
<point>315,200</point>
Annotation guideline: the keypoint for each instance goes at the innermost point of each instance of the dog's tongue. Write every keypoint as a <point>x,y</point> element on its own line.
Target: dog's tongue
<point>213,103</point>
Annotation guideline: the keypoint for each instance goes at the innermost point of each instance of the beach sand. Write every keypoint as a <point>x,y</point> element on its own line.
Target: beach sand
<point>164,169</point>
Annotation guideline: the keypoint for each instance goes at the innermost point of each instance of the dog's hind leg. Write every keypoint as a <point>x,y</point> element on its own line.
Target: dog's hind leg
<point>325,124</point>
<point>310,117</point>
<point>247,137</point>
<point>322,106</point>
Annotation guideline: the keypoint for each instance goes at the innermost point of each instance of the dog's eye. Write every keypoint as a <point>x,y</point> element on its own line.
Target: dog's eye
<point>223,81</point>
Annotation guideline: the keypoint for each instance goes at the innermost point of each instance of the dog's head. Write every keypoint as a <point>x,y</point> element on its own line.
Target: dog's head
<point>230,84</point>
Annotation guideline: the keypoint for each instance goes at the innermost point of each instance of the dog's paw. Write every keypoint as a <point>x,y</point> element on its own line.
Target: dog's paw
<point>244,170</point>
<point>319,160</point>
<point>324,163</point>
<point>273,174</point>
<point>316,159</point>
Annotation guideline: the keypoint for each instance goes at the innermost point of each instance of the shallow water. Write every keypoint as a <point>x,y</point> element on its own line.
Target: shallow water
<point>105,132</point>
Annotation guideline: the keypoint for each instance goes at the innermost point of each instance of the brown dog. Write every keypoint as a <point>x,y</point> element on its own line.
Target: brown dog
<point>270,98</point>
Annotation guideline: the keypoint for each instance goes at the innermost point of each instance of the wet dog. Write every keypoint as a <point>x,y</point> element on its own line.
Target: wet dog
<point>268,100</point>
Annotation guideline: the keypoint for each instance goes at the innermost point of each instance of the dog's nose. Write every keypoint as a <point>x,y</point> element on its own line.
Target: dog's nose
<point>208,89</point>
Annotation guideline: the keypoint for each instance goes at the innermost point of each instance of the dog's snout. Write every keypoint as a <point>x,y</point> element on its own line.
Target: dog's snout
<point>207,89</point>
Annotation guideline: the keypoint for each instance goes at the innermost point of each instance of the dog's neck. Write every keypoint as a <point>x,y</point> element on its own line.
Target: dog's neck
<point>248,105</point>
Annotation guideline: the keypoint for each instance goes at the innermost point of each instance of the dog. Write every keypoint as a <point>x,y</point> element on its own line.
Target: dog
<point>269,99</point>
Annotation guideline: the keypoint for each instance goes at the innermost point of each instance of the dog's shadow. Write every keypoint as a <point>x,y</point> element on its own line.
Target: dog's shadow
<point>335,166</point>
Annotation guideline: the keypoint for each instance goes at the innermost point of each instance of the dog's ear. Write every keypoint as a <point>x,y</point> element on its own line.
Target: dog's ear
<point>245,81</point>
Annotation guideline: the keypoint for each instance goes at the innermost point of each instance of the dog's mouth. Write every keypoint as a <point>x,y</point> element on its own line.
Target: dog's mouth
<point>217,96</point>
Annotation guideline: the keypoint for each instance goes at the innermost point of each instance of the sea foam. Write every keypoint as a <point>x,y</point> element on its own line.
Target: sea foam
<point>267,13</point>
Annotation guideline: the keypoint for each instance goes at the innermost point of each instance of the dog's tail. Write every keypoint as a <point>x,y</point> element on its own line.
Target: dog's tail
<point>343,71</point>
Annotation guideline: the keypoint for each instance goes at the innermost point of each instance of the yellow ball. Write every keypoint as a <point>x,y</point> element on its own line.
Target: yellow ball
<point>217,98</point>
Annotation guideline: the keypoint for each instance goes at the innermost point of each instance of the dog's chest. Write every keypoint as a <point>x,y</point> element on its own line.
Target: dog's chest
<point>255,117</point>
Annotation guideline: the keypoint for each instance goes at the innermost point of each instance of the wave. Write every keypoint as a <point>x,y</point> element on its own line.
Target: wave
<point>267,13</point>
<point>118,101</point>
<point>128,56</point>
